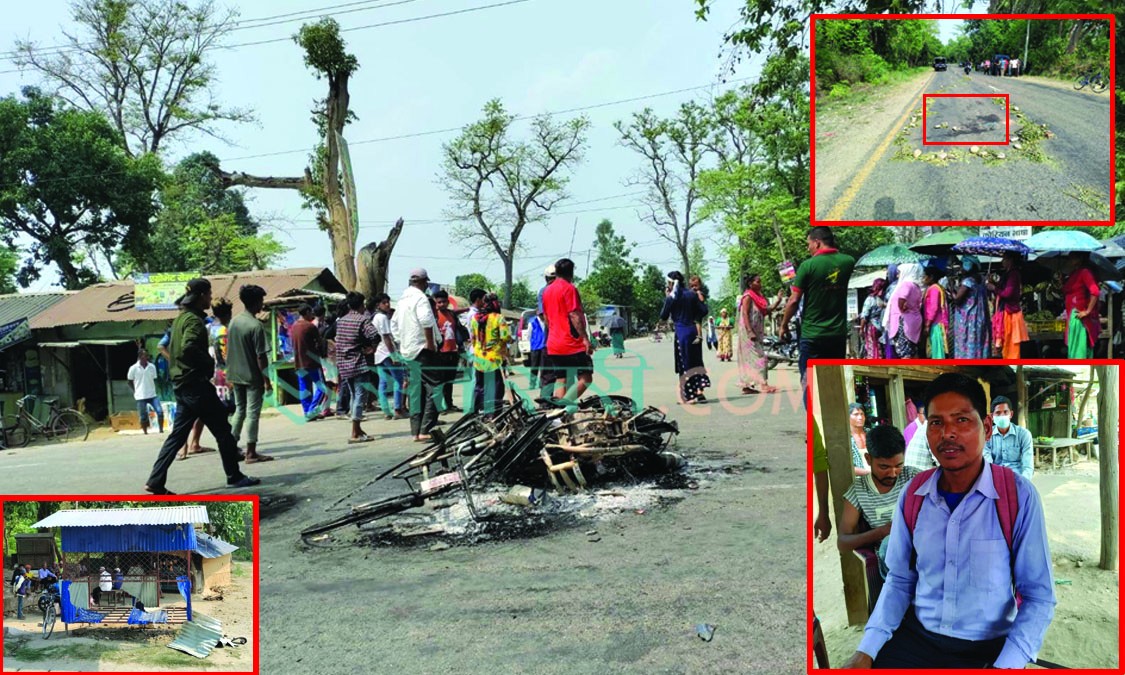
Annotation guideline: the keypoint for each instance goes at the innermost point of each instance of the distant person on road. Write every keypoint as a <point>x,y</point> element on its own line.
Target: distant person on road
<point>753,308</point>
<point>192,369</point>
<point>969,321</point>
<point>935,315</point>
<point>247,362</point>
<point>712,336</point>
<point>569,349</point>
<point>1015,67</point>
<point>1080,294</point>
<point>822,281</point>
<point>1009,330</point>
<point>490,355</point>
<point>684,307</point>
<point>143,376</point>
<point>725,327</point>
<point>904,316</point>
<point>20,587</point>
<point>391,373</point>
<point>448,356</point>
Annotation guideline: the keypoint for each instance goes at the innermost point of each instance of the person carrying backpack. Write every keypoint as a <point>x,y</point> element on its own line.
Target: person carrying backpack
<point>969,581</point>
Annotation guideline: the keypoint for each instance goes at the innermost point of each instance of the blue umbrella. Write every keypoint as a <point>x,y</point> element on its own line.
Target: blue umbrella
<point>994,246</point>
<point>1063,240</point>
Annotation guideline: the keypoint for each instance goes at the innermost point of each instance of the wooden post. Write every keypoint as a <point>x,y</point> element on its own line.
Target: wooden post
<point>896,399</point>
<point>831,388</point>
<point>108,382</point>
<point>1021,398</point>
<point>1107,463</point>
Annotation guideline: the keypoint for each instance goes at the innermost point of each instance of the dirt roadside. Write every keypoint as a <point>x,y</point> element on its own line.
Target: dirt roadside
<point>847,135</point>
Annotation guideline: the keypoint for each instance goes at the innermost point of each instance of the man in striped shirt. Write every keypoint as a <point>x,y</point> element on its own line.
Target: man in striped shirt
<point>875,495</point>
<point>353,332</point>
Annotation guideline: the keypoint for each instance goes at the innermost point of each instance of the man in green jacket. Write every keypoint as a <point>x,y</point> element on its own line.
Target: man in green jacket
<point>192,367</point>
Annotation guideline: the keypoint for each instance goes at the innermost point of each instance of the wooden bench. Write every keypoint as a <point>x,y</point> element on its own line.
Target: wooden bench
<point>1067,444</point>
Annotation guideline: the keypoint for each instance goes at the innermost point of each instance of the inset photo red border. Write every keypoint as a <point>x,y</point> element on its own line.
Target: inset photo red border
<point>837,221</point>
<point>105,501</point>
<point>1007,118</point>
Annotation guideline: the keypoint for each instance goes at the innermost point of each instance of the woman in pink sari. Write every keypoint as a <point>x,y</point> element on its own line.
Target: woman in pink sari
<point>753,308</point>
<point>904,316</point>
<point>935,315</point>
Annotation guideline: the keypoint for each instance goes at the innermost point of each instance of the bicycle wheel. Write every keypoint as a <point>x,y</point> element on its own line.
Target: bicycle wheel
<point>16,433</point>
<point>49,621</point>
<point>69,426</point>
<point>366,513</point>
<point>44,602</point>
<point>1099,85</point>
<point>1081,82</point>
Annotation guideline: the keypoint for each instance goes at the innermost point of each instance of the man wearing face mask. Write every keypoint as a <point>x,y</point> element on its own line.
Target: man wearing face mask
<point>1010,444</point>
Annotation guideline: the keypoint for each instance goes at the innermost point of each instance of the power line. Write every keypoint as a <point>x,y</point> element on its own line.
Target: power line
<point>344,30</point>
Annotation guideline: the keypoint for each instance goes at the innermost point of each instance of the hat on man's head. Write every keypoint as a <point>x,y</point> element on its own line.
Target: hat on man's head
<point>419,273</point>
<point>550,271</point>
<point>195,290</point>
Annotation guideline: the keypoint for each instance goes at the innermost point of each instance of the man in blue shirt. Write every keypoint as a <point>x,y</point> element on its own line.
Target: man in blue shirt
<point>1010,444</point>
<point>948,601</point>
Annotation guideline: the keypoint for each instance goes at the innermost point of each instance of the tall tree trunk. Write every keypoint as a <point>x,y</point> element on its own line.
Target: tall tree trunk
<point>1107,464</point>
<point>70,279</point>
<point>340,228</point>
<point>508,281</point>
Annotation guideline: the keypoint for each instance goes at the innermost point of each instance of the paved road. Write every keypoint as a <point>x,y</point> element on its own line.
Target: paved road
<point>1068,181</point>
<point>730,553</point>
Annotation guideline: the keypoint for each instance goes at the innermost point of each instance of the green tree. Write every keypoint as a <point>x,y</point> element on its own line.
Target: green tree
<point>143,64</point>
<point>9,264</point>
<point>648,295</point>
<point>467,282</point>
<point>203,227</point>
<point>613,270</point>
<point>674,153</point>
<point>499,185</point>
<point>524,296</point>
<point>697,261</point>
<point>67,184</point>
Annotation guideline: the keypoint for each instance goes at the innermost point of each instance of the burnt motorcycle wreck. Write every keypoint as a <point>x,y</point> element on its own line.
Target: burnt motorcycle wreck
<point>535,449</point>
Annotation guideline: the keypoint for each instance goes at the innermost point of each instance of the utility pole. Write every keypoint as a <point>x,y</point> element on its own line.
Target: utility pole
<point>1026,39</point>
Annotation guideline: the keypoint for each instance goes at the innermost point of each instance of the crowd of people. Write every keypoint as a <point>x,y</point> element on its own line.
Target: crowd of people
<point>957,313</point>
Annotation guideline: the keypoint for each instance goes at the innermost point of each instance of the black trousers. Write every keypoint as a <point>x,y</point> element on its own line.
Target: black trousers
<point>425,377</point>
<point>197,401</point>
<point>912,646</point>
<point>488,390</point>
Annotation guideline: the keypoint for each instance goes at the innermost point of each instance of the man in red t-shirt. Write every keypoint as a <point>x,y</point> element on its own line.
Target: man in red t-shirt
<point>448,356</point>
<point>307,355</point>
<point>568,339</point>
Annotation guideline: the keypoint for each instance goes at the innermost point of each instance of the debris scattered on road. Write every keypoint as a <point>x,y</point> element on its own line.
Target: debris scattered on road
<point>705,631</point>
<point>974,149</point>
<point>440,546</point>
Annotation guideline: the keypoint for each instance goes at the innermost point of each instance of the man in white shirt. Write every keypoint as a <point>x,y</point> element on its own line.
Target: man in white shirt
<point>418,346</point>
<point>390,372</point>
<point>143,376</point>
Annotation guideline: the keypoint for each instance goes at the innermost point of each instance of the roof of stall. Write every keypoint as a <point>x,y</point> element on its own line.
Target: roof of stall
<point>113,301</point>
<point>212,547</point>
<point>160,515</point>
<point>16,306</point>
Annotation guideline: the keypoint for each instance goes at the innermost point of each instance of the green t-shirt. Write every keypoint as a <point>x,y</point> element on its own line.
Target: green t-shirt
<point>823,281</point>
<point>246,339</point>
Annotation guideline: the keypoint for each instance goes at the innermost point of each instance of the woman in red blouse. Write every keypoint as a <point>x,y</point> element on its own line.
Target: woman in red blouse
<point>1080,293</point>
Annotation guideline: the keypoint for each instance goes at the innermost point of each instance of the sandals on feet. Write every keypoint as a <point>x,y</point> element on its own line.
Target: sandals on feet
<point>361,439</point>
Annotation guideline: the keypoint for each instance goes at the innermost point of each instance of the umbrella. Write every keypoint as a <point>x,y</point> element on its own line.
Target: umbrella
<point>1112,249</point>
<point>615,321</point>
<point>940,243</point>
<point>995,246</point>
<point>1103,267</point>
<point>889,254</point>
<point>1062,240</point>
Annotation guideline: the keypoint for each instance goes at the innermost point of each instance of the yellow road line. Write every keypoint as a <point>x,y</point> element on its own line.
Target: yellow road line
<point>838,209</point>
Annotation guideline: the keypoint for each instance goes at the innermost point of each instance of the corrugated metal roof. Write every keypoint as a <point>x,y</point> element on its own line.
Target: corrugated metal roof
<point>16,306</point>
<point>198,636</point>
<point>212,547</point>
<point>160,515</point>
<point>121,538</point>
<point>114,301</point>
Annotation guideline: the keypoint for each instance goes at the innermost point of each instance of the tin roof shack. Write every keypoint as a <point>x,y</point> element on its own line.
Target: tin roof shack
<point>150,546</point>
<point>212,558</point>
<point>36,549</point>
<point>20,373</point>
<point>88,341</point>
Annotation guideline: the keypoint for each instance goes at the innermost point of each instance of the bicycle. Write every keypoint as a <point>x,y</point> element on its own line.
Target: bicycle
<point>63,424</point>
<point>48,599</point>
<point>1097,82</point>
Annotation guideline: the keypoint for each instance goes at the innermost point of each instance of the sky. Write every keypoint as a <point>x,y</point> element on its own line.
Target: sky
<point>433,74</point>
